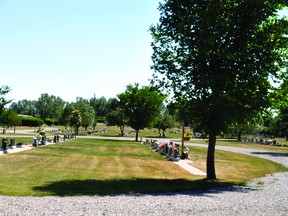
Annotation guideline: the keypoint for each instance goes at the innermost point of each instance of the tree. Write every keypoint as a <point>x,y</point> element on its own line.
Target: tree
<point>141,106</point>
<point>25,107</point>
<point>165,121</point>
<point>50,106</point>
<point>281,106</point>
<point>65,118</point>
<point>217,57</point>
<point>75,120</point>
<point>10,118</point>
<point>117,118</point>
<point>13,119</point>
<point>244,127</point>
<point>86,111</point>
<point>100,106</point>
<point>87,115</point>
<point>3,102</point>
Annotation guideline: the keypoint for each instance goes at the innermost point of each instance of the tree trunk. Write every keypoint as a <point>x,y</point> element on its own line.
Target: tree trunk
<point>239,136</point>
<point>14,129</point>
<point>163,133</point>
<point>210,163</point>
<point>136,137</point>
<point>122,131</point>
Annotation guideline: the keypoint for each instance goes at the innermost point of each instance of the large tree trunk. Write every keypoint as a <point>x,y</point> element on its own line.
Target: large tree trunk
<point>210,162</point>
<point>137,133</point>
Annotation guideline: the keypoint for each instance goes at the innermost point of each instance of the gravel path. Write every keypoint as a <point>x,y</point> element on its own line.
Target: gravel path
<point>268,198</point>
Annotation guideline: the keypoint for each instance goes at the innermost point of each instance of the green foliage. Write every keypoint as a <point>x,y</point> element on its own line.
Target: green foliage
<point>75,120</point>
<point>86,112</point>
<point>218,59</point>
<point>141,106</point>
<point>13,118</point>
<point>51,121</point>
<point>117,118</point>
<point>164,122</point>
<point>31,121</point>
<point>100,106</point>
<point>280,122</point>
<point>65,118</point>
<point>101,119</point>
<point>3,90</point>
<point>50,106</point>
<point>25,107</point>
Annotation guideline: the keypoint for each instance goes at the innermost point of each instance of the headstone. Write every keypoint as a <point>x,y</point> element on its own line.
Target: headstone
<point>19,145</point>
<point>166,148</point>
<point>4,144</point>
<point>55,139</point>
<point>12,143</point>
<point>43,141</point>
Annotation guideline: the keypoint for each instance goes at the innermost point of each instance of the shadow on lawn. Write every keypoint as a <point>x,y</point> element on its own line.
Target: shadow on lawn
<point>274,154</point>
<point>134,186</point>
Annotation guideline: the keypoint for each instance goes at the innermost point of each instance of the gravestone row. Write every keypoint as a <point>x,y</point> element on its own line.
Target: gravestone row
<point>169,149</point>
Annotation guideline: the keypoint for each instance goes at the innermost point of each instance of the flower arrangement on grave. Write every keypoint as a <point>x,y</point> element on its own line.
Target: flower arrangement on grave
<point>41,131</point>
<point>187,136</point>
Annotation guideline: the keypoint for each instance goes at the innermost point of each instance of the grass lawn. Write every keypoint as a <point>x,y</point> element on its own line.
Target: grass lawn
<point>101,167</point>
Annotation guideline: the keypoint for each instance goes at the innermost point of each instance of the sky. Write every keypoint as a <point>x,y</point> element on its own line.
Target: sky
<point>75,48</point>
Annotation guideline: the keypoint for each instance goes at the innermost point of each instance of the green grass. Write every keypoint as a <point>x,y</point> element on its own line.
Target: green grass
<point>101,167</point>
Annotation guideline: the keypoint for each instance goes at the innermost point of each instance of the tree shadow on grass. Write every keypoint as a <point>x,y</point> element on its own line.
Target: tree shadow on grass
<point>134,186</point>
<point>274,154</point>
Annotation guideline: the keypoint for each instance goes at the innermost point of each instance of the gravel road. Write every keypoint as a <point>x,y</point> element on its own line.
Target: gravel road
<point>268,198</point>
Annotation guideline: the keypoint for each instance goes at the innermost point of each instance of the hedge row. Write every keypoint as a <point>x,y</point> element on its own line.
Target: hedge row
<point>31,121</point>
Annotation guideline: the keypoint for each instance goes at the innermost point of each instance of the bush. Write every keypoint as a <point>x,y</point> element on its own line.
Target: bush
<point>51,121</point>
<point>31,121</point>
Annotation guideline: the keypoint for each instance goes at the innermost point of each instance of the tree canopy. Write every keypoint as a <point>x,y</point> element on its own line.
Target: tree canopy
<point>117,118</point>
<point>219,58</point>
<point>141,106</point>
<point>3,101</point>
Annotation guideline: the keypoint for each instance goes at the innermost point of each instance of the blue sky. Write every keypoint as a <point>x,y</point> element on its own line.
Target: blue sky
<point>75,48</point>
<point>71,48</point>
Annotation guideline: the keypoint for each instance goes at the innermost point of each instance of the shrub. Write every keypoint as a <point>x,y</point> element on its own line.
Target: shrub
<point>31,121</point>
<point>51,121</point>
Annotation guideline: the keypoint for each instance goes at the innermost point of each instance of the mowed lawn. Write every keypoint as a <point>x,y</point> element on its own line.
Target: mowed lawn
<point>101,167</point>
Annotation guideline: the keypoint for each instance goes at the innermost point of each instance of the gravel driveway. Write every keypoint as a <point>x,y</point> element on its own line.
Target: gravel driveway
<point>268,198</point>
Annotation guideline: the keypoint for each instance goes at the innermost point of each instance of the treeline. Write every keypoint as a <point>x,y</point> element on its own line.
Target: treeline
<point>51,108</point>
<point>137,107</point>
